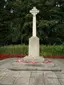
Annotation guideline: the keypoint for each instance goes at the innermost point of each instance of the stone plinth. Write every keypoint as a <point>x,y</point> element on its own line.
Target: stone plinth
<point>33,47</point>
<point>33,52</point>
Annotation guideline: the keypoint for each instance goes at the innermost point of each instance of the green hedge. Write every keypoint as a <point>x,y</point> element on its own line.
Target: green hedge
<point>14,49</point>
<point>55,50</point>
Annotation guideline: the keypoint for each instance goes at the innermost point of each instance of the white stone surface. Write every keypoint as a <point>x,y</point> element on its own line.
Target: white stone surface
<point>34,47</point>
<point>34,12</point>
<point>34,59</point>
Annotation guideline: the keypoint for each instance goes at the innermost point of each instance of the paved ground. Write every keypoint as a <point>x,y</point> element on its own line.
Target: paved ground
<point>11,77</point>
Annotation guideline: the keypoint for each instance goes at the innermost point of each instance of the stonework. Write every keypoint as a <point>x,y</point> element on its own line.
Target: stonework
<point>34,12</point>
<point>34,47</point>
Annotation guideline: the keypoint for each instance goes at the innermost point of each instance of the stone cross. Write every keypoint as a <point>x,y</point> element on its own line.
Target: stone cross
<point>34,12</point>
<point>34,47</point>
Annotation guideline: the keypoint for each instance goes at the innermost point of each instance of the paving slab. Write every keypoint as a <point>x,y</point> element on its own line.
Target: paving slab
<point>31,77</point>
<point>7,80</point>
<point>22,81</point>
<point>51,78</point>
<point>36,78</point>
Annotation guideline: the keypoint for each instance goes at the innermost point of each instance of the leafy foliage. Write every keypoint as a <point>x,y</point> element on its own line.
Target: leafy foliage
<point>16,21</point>
<point>49,50</point>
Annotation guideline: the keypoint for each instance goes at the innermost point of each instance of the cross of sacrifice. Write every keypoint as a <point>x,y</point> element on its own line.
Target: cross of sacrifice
<point>34,12</point>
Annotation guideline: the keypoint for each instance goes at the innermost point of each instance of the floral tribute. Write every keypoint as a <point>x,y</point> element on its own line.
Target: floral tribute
<point>47,62</point>
<point>33,62</point>
<point>22,61</point>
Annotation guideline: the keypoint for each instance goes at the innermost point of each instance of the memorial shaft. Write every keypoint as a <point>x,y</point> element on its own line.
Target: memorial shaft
<point>34,25</point>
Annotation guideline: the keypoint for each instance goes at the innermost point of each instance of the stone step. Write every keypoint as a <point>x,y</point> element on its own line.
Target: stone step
<point>33,67</point>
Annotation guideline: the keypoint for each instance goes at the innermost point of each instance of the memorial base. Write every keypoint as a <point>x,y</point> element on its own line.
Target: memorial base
<point>33,53</point>
<point>39,59</point>
<point>21,66</point>
<point>33,47</point>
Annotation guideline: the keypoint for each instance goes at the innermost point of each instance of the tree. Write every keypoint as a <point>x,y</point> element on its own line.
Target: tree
<point>16,21</point>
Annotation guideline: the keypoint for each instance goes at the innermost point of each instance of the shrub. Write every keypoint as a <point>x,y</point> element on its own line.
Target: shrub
<point>54,50</point>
